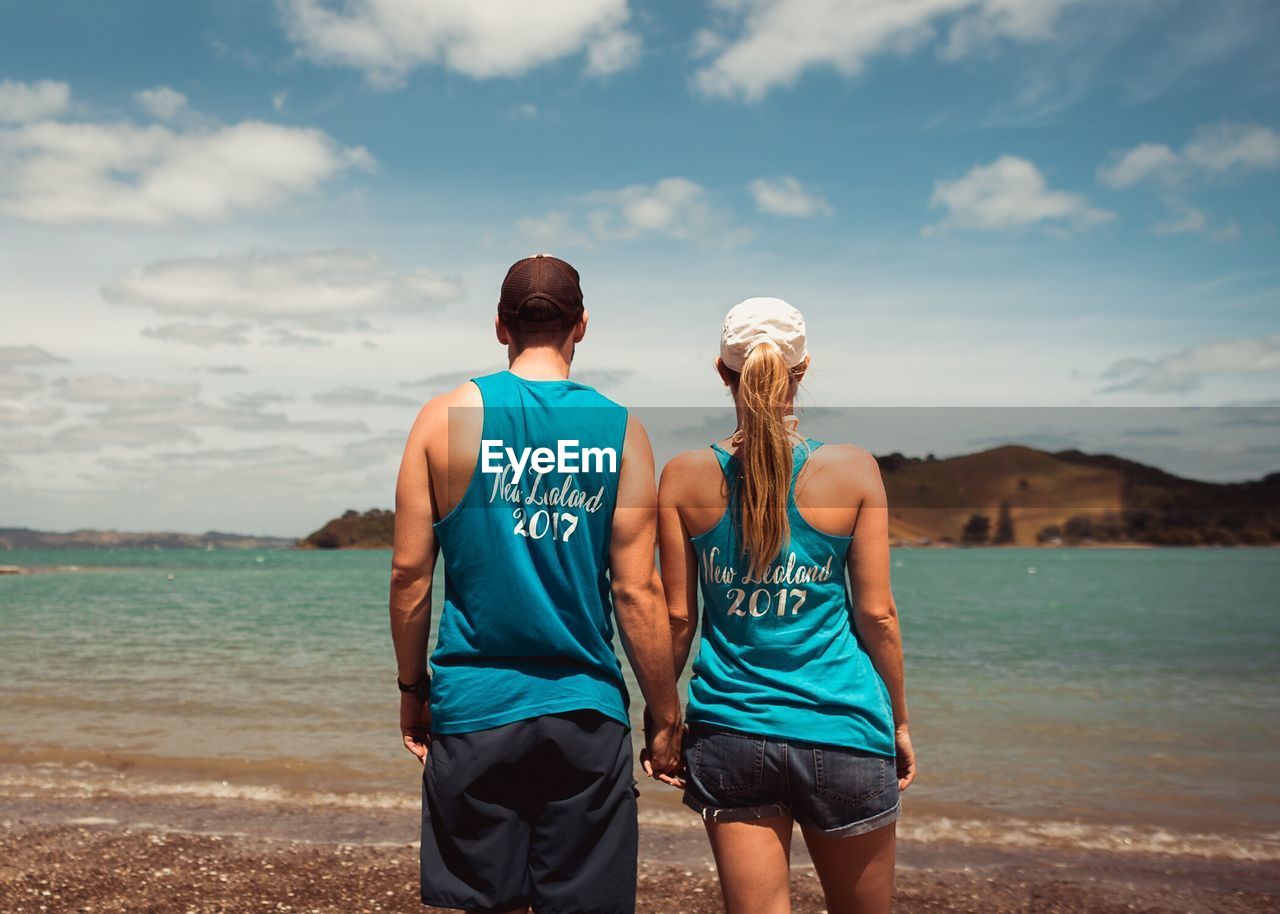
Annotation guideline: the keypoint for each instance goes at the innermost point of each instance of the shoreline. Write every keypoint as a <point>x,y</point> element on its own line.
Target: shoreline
<point>198,854</point>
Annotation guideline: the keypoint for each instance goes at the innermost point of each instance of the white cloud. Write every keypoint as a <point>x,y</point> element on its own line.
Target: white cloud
<point>613,53</point>
<point>1218,151</point>
<point>361,396</point>
<point>162,102</point>
<point>203,335</point>
<point>1214,149</point>
<point>23,102</point>
<point>761,44</point>
<point>26,355</point>
<point>1010,193</point>
<point>16,412</point>
<point>993,20</point>
<point>526,111</point>
<point>387,39</point>
<point>64,173</point>
<point>329,289</point>
<point>148,419</point>
<point>256,399</point>
<point>105,388</point>
<point>674,207</point>
<point>1187,369</point>
<point>1133,165</point>
<point>12,382</point>
<point>786,196</point>
<point>1184,220</point>
<point>283,336</point>
<point>1234,147</point>
<point>95,436</point>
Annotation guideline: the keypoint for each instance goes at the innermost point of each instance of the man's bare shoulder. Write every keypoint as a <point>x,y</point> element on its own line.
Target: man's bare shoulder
<point>434,414</point>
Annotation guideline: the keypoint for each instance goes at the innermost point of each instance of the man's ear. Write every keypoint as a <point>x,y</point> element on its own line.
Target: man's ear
<point>499,328</point>
<point>580,328</point>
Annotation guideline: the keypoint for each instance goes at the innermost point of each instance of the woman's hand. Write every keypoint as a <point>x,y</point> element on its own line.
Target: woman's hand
<point>906,757</point>
<point>415,725</point>
<point>664,745</point>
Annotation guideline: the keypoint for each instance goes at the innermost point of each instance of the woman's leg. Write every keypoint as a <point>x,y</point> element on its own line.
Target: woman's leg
<point>856,872</point>
<point>754,862</point>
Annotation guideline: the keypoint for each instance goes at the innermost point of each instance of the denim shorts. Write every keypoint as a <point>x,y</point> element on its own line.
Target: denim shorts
<point>736,777</point>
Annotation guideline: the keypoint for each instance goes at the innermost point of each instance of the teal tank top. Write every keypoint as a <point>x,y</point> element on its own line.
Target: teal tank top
<point>527,623</point>
<point>780,656</point>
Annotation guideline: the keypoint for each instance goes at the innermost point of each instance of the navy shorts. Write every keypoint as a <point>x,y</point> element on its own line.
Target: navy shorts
<point>540,811</point>
<point>736,777</point>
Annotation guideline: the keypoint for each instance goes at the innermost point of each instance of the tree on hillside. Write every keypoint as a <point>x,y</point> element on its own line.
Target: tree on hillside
<point>1004,525</point>
<point>976,530</point>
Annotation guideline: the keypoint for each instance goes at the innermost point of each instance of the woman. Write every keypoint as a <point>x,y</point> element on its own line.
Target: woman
<point>796,708</point>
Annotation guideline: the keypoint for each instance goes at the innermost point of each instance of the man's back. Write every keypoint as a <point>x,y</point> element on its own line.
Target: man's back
<point>539,493</point>
<point>531,473</point>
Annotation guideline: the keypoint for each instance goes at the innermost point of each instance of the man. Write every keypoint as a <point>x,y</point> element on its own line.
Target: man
<point>539,492</point>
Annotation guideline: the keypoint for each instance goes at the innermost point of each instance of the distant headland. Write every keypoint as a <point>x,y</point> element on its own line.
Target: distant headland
<point>25,538</point>
<point>1012,495</point>
<point>1009,495</point>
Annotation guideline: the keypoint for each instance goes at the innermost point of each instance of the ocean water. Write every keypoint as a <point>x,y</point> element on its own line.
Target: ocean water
<point>1119,697</point>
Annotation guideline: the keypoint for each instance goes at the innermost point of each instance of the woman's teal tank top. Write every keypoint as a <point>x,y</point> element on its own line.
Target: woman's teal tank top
<point>779,656</point>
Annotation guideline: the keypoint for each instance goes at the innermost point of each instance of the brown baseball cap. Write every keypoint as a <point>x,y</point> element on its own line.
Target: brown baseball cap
<point>545,277</point>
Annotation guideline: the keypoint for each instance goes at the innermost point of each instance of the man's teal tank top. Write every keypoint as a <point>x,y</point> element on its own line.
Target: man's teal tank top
<point>779,656</point>
<point>527,623</point>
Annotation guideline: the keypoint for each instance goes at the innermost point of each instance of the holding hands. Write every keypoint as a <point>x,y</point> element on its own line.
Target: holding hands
<point>662,757</point>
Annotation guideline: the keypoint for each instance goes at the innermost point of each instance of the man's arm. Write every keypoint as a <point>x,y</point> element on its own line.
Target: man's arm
<point>413,563</point>
<point>637,596</point>
<point>679,562</point>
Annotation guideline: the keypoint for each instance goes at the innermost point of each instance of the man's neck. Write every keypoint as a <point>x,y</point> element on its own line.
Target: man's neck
<point>540,363</point>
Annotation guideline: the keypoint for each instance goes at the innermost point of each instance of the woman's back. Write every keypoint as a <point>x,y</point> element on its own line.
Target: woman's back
<point>779,654</point>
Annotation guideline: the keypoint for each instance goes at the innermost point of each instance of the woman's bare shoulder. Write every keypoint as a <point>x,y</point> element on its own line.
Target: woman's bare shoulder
<point>850,457</point>
<point>848,469</point>
<point>688,470</point>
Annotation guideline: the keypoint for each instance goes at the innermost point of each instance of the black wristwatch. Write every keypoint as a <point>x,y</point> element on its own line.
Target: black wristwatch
<point>421,688</point>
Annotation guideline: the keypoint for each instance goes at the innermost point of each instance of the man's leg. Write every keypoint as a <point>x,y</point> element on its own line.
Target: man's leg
<point>475,829</point>
<point>584,843</point>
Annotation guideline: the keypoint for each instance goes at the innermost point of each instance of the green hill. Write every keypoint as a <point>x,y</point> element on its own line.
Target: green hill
<point>1012,495</point>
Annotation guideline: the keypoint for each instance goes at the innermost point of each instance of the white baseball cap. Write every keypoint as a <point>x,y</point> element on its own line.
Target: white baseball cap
<point>756,321</point>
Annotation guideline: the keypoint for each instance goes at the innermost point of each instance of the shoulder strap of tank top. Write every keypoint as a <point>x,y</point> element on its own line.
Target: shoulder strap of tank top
<point>722,457</point>
<point>801,454</point>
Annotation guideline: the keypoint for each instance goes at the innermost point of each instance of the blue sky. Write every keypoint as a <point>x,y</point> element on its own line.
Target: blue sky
<point>241,242</point>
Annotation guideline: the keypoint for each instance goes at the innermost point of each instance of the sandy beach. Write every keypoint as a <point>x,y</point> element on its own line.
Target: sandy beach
<point>196,854</point>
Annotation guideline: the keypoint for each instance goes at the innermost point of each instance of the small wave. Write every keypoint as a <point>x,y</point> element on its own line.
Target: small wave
<point>31,784</point>
<point>90,781</point>
<point>1046,834</point>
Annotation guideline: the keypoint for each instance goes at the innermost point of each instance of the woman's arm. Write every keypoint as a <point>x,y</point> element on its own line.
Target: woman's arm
<point>875,614</point>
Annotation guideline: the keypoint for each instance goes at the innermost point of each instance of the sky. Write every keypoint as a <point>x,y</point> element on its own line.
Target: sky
<point>242,242</point>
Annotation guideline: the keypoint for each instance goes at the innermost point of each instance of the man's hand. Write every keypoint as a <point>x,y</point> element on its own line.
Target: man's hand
<point>415,724</point>
<point>661,757</point>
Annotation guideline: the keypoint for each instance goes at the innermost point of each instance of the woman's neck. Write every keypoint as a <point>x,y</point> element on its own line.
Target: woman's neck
<point>786,413</point>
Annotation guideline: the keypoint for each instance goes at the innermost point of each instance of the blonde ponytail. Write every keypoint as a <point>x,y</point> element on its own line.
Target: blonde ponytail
<point>764,456</point>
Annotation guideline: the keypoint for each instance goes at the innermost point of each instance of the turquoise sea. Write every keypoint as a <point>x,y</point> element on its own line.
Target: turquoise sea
<point>1123,697</point>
